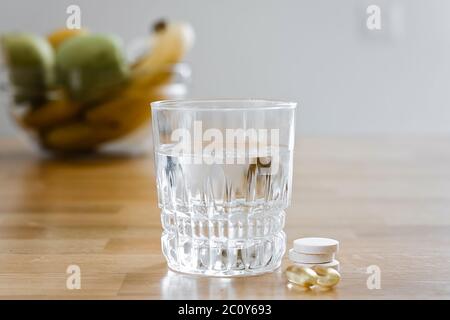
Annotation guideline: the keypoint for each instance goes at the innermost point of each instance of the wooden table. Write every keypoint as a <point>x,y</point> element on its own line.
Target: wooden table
<point>386,199</point>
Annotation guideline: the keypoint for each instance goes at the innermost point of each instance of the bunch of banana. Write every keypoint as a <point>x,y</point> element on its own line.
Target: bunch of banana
<point>96,97</point>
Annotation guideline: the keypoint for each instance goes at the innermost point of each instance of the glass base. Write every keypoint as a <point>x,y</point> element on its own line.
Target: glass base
<point>224,257</point>
<point>229,273</point>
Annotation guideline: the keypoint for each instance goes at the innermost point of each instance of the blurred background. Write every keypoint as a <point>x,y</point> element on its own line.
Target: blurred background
<point>347,79</point>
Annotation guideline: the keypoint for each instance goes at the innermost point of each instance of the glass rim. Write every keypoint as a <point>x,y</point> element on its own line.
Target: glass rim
<point>222,104</point>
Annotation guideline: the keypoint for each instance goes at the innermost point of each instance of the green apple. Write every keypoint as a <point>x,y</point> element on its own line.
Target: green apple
<point>30,61</point>
<point>91,66</point>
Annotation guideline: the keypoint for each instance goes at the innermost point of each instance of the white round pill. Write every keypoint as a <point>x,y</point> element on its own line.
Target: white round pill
<point>333,264</point>
<point>310,258</point>
<point>316,245</point>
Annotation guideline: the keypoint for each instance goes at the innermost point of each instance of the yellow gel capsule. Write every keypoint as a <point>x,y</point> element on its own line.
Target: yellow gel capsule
<point>327,277</point>
<point>302,276</point>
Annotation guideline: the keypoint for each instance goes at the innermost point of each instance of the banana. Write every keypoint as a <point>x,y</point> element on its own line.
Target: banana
<point>145,79</point>
<point>76,136</point>
<point>85,136</point>
<point>51,113</point>
<point>131,120</point>
<point>111,121</point>
<point>130,101</point>
<point>170,42</point>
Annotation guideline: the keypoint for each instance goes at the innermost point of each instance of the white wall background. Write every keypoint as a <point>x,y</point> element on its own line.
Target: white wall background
<point>347,80</point>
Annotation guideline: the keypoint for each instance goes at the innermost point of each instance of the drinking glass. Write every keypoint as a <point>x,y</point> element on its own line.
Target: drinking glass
<point>224,177</point>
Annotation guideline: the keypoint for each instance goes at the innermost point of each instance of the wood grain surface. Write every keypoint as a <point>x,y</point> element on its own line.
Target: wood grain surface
<point>386,199</point>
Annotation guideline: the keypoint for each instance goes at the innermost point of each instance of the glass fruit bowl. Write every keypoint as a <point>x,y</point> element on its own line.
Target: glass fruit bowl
<point>117,123</point>
<point>80,92</point>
